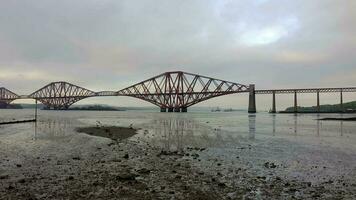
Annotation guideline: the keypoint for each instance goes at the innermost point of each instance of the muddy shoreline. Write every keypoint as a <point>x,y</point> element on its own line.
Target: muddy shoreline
<point>134,169</point>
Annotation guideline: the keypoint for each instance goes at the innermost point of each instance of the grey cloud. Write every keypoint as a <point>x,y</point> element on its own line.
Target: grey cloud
<point>110,43</point>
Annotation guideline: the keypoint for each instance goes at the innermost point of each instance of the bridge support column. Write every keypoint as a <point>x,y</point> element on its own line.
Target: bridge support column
<point>170,109</point>
<point>318,101</point>
<point>184,109</point>
<point>3,104</point>
<point>341,102</point>
<point>163,109</point>
<point>177,109</point>
<point>295,102</point>
<point>252,99</point>
<point>273,102</point>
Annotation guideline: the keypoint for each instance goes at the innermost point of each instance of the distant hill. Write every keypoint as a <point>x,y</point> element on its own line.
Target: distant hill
<point>96,107</point>
<point>348,107</point>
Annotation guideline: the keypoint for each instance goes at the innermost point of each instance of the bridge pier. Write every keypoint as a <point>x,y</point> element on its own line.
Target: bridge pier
<point>252,99</point>
<point>177,109</point>
<point>184,109</point>
<point>273,102</point>
<point>4,104</point>
<point>318,101</point>
<point>295,102</point>
<point>163,109</point>
<point>170,109</point>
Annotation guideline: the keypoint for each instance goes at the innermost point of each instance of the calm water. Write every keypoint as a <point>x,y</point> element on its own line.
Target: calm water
<point>298,142</point>
<point>260,126</point>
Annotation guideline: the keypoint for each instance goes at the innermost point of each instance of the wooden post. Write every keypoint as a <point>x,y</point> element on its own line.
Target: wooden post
<point>295,102</point>
<point>341,102</point>
<point>274,102</point>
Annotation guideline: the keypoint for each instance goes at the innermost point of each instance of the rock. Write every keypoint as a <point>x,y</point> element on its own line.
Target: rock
<point>126,176</point>
<point>221,184</point>
<point>126,156</point>
<point>22,180</point>
<point>144,171</point>
<point>4,176</point>
<point>18,165</point>
<point>231,195</point>
<point>270,165</point>
<point>195,155</point>
<point>76,158</point>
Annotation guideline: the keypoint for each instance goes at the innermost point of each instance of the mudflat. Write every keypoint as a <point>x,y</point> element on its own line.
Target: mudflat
<point>90,167</point>
<point>112,132</point>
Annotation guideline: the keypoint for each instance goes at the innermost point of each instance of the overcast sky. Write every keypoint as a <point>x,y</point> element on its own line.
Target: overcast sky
<point>111,44</point>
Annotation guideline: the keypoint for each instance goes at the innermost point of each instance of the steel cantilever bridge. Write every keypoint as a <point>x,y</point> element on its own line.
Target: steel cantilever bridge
<point>171,91</point>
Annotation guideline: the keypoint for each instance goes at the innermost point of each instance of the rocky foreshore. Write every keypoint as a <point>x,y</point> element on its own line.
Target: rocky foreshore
<point>129,169</point>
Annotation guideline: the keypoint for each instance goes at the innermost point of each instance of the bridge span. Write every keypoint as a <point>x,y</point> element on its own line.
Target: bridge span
<point>317,91</point>
<point>171,91</point>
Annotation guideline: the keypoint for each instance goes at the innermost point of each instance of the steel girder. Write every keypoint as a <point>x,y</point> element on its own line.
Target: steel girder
<point>307,90</point>
<point>60,95</point>
<point>179,89</point>
<point>6,97</point>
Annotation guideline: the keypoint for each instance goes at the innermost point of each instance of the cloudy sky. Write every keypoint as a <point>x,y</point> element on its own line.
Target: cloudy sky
<point>111,44</point>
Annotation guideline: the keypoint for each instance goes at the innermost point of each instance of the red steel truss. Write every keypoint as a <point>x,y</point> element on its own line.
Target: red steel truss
<point>6,96</point>
<point>178,90</point>
<point>172,91</point>
<point>60,95</point>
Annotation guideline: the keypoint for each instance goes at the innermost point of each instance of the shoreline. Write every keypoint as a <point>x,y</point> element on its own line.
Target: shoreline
<point>127,167</point>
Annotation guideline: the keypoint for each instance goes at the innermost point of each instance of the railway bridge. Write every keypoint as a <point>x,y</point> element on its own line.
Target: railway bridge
<point>171,91</point>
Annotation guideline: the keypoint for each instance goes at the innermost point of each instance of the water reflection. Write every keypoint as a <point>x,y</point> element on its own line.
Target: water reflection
<point>274,124</point>
<point>318,124</point>
<point>171,132</point>
<point>53,128</point>
<point>177,133</point>
<point>252,126</point>
<point>341,128</point>
<point>295,124</point>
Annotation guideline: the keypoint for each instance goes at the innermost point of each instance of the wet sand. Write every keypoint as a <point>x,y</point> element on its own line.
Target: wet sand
<point>134,169</point>
<point>112,132</point>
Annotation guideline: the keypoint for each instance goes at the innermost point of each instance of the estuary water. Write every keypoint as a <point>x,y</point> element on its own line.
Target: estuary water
<point>301,146</point>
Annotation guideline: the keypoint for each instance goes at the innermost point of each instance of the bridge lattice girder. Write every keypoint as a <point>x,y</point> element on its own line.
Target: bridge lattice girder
<point>6,96</point>
<point>307,90</point>
<point>60,95</point>
<point>180,89</point>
